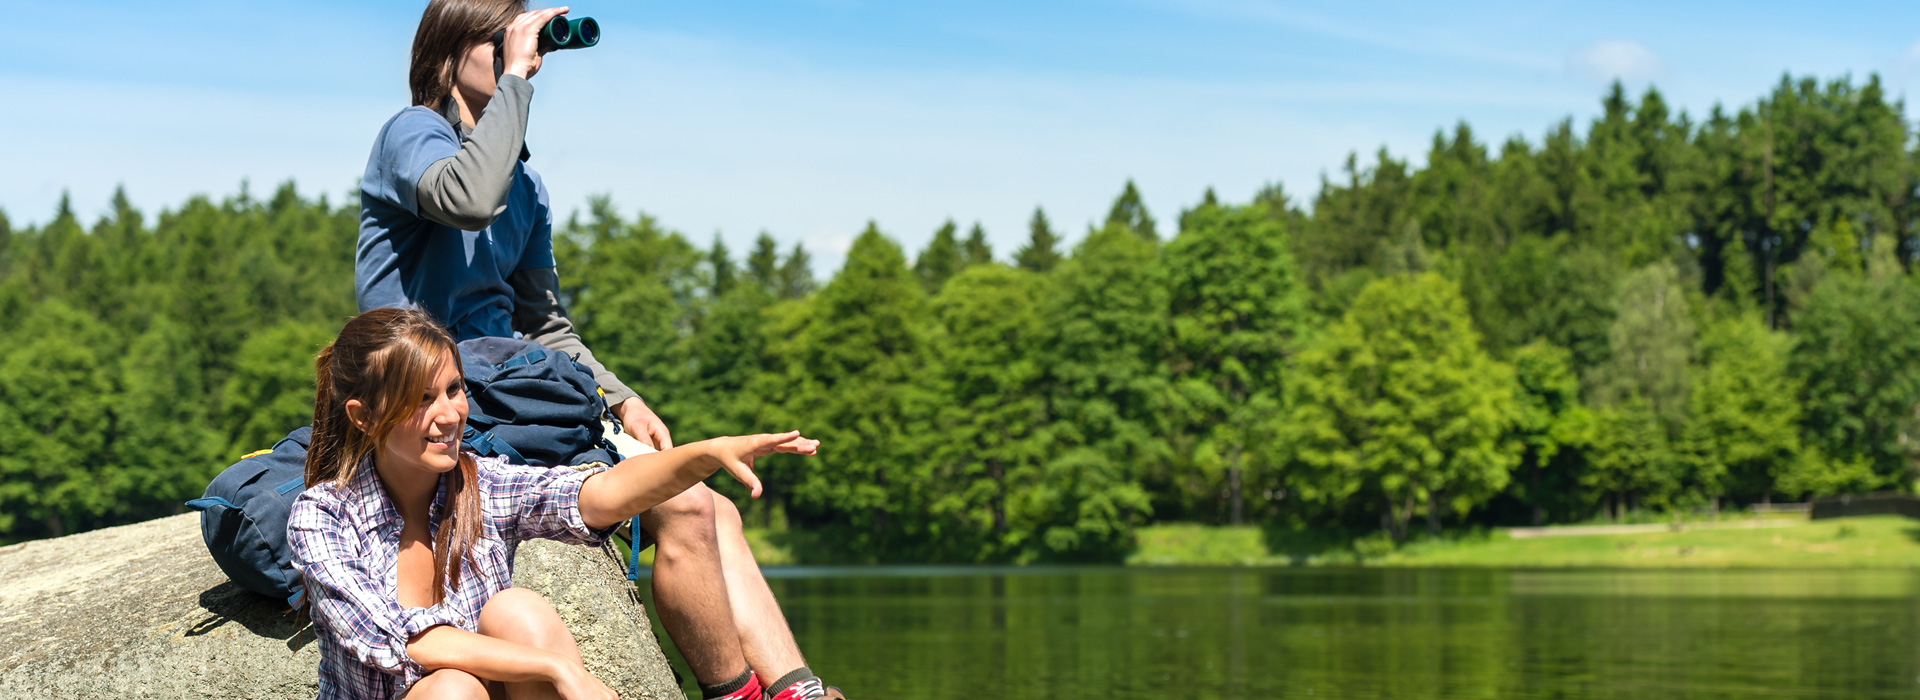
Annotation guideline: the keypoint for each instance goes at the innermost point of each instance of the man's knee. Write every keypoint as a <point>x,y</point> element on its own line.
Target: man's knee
<point>448,684</point>
<point>726,516</point>
<point>694,504</point>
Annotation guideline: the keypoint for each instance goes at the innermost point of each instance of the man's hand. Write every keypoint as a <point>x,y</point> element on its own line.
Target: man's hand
<point>640,422</point>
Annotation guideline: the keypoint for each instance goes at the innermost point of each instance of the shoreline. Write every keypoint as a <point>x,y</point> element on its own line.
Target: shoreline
<point>1762,542</point>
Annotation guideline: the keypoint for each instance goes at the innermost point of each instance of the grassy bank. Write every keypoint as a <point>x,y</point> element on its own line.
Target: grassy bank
<point>1792,542</point>
<point>1884,541</point>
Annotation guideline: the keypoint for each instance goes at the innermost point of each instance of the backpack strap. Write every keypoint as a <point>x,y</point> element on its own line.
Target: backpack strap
<point>531,356</point>
<point>283,489</point>
<point>486,444</point>
<point>209,502</point>
<point>633,550</point>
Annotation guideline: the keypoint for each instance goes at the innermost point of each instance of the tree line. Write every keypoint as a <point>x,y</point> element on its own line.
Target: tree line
<point>1648,312</point>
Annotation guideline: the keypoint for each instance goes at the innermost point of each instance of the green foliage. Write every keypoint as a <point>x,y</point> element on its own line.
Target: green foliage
<point>122,370</point>
<point>976,251</point>
<point>1111,392</point>
<point>1644,312</point>
<point>271,388</point>
<point>1651,345</point>
<point>1041,251</point>
<point>55,395</point>
<point>1237,306</point>
<point>860,367</point>
<point>941,259</point>
<point>1857,349</point>
<point>992,502</point>
<point>1743,414</point>
<point>1553,426</point>
<point>1129,212</point>
<point>1396,406</point>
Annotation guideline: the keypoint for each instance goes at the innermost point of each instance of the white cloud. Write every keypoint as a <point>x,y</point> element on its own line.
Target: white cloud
<point>1606,61</point>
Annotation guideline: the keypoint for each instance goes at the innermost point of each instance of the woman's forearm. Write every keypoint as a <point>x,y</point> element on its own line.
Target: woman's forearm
<point>445,646</point>
<point>642,482</point>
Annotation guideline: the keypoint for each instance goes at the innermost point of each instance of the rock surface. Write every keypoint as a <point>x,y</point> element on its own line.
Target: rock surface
<point>141,611</point>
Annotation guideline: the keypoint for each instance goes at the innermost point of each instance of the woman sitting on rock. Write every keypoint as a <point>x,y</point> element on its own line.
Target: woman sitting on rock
<point>406,541</point>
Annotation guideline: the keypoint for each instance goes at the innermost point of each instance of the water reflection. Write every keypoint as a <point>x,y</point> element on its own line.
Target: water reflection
<point>928,632</point>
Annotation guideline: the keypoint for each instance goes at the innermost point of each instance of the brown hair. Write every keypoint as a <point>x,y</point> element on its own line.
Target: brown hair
<point>447,28</point>
<point>386,358</point>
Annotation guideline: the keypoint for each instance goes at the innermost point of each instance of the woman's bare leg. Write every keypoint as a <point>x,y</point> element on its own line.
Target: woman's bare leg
<point>448,684</point>
<point>524,617</point>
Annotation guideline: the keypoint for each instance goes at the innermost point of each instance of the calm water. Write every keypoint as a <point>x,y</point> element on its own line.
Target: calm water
<point>899,633</point>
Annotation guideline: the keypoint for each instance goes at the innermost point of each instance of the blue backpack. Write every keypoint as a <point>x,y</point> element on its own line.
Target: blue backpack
<point>243,517</point>
<point>533,405</point>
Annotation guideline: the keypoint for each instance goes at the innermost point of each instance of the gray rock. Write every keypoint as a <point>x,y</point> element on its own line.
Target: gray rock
<point>140,611</point>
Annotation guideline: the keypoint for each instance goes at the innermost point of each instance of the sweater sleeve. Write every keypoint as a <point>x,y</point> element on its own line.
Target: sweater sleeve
<point>469,189</point>
<point>538,315</point>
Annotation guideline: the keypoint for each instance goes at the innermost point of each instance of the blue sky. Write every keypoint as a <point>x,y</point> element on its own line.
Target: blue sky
<point>806,118</point>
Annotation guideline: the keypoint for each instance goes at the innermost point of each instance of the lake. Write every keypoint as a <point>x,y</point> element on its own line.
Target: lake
<point>893,633</point>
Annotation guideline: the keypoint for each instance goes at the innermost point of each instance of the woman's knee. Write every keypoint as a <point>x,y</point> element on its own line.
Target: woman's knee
<point>448,684</point>
<point>525,617</point>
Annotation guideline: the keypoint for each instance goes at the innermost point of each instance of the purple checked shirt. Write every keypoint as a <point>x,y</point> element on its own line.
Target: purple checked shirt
<point>346,544</point>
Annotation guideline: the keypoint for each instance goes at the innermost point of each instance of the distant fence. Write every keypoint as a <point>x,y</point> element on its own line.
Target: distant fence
<point>1759,508</point>
<point>1866,504</point>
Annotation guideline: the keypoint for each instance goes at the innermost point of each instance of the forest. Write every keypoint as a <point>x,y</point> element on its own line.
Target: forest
<point>1650,313</point>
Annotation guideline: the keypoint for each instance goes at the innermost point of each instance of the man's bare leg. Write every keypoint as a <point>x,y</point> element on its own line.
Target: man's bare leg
<point>687,592</point>
<point>762,628</point>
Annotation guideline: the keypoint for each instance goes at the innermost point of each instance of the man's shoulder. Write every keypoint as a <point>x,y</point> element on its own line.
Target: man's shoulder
<point>415,120</point>
<point>411,133</point>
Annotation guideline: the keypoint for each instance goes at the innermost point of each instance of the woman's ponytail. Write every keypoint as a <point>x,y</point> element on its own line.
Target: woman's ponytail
<point>325,443</point>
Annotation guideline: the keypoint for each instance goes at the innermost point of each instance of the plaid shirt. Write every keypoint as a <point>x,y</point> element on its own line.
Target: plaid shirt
<point>346,544</point>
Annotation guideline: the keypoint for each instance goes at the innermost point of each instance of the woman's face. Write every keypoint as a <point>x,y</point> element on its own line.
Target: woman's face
<point>430,440</point>
<point>473,76</point>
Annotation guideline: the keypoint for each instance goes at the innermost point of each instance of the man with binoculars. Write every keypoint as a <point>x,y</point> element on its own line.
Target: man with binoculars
<point>455,223</point>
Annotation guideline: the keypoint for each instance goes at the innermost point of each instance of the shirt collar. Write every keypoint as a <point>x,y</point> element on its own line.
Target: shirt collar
<point>451,112</point>
<point>375,508</point>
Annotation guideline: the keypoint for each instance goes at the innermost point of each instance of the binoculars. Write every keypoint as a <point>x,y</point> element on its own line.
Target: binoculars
<point>562,33</point>
<point>558,33</point>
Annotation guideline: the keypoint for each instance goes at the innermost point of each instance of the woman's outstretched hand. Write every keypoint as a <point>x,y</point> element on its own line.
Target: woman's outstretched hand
<point>522,43</point>
<point>736,454</point>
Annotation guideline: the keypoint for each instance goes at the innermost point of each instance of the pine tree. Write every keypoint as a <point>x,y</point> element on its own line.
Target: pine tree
<point>861,367</point>
<point>796,274</point>
<point>763,264</point>
<point>720,265</point>
<point>993,410</point>
<point>1237,305</point>
<point>55,400</point>
<point>1743,431</point>
<point>1110,395</point>
<point>1130,212</point>
<point>1041,252</point>
<point>1858,352</point>
<point>1738,281</point>
<point>1396,407</point>
<point>1652,346</point>
<point>940,260</point>
<point>976,251</point>
<point>1553,426</point>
